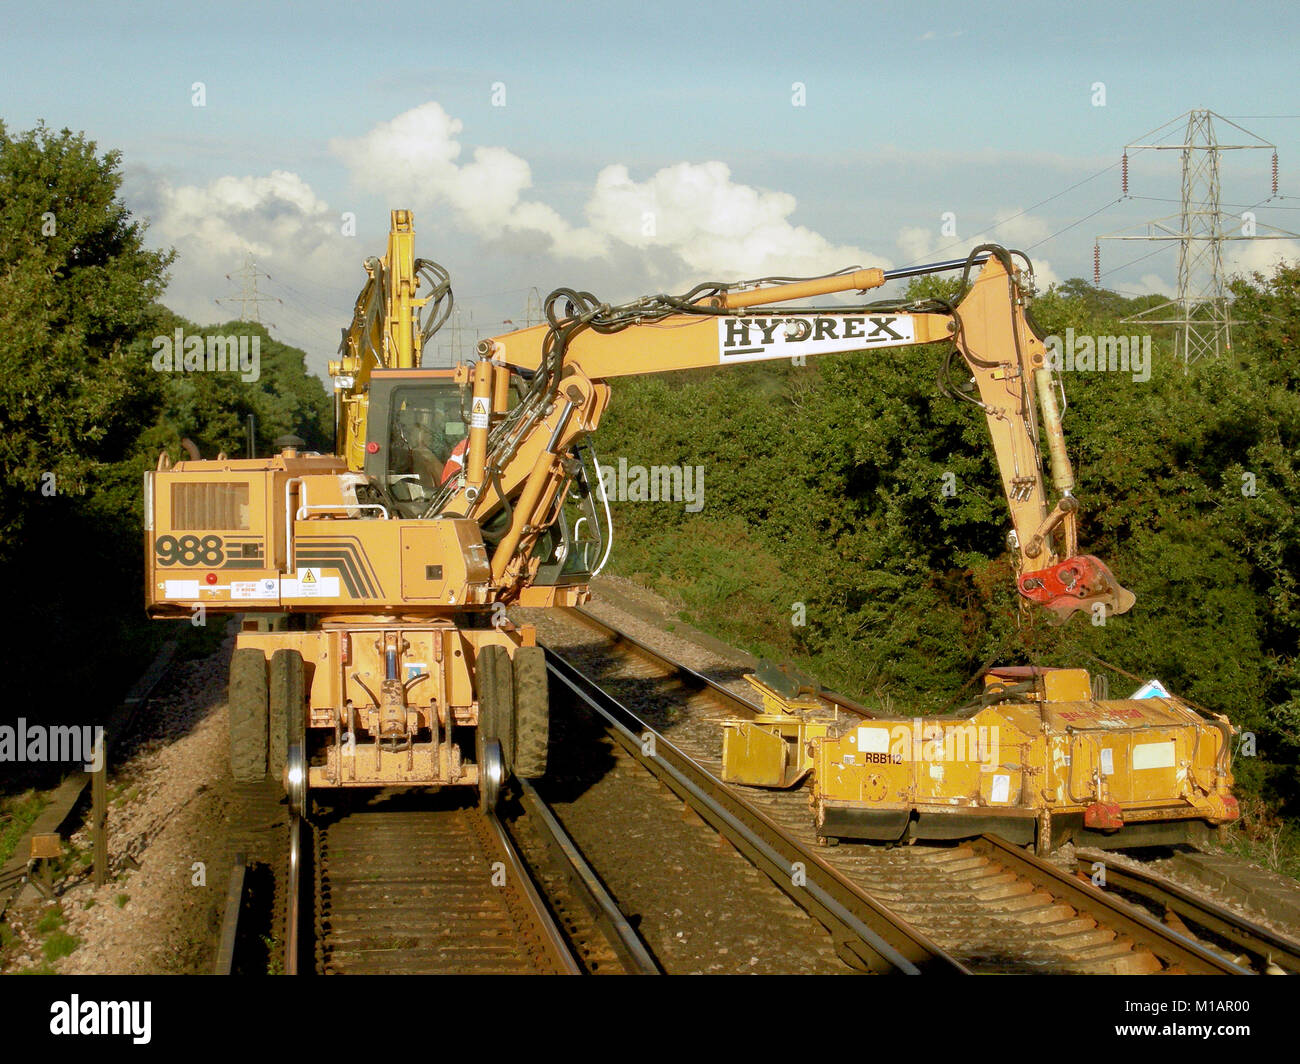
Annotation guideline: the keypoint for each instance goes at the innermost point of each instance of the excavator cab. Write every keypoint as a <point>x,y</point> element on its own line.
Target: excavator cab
<point>416,429</point>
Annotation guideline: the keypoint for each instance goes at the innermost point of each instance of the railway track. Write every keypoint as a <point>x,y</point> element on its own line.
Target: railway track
<point>413,882</point>
<point>403,888</point>
<point>409,882</point>
<point>1262,946</point>
<point>866,935</point>
<point>988,906</point>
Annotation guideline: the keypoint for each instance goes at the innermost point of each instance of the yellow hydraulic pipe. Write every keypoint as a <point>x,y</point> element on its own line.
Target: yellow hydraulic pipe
<point>524,510</point>
<point>480,420</point>
<point>500,389</point>
<point>1062,473</point>
<point>858,281</point>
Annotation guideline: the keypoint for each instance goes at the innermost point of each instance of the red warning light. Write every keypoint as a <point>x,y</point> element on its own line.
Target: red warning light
<point>372,447</point>
<point>211,578</point>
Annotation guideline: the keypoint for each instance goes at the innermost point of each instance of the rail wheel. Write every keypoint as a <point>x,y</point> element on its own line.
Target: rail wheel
<point>496,708</point>
<point>248,697</point>
<point>491,774</point>
<point>288,726</point>
<point>532,712</point>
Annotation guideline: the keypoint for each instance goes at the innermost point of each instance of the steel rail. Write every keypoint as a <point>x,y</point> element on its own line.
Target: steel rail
<point>867,935</point>
<point>1166,944</point>
<point>225,962</point>
<point>551,949</point>
<point>1261,943</point>
<point>293,895</point>
<point>555,942</point>
<point>632,950</point>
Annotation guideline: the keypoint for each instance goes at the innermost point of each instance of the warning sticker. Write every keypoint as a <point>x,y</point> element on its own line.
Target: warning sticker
<point>254,589</point>
<point>480,413</point>
<point>181,589</point>
<point>1107,762</point>
<point>873,740</point>
<point>310,584</point>
<point>1153,755</point>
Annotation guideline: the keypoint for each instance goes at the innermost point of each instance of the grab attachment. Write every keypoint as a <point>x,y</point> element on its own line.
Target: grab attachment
<point>1078,583</point>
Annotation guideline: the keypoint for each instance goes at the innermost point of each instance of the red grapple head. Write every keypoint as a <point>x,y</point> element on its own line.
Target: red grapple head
<point>1075,584</point>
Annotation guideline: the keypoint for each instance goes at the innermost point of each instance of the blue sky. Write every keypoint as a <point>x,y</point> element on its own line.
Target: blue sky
<point>612,112</point>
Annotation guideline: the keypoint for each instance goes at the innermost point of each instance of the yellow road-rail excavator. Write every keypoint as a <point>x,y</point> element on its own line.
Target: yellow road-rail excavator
<point>456,493</point>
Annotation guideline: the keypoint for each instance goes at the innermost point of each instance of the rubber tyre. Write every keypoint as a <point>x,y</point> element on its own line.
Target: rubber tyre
<point>247,699</point>
<point>532,713</point>
<point>496,700</point>
<point>287,707</point>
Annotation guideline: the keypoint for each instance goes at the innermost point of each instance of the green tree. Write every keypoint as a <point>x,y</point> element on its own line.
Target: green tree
<point>76,285</point>
<point>83,414</point>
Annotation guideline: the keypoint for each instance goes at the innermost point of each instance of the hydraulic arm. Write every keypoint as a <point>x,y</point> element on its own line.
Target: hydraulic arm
<point>525,459</point>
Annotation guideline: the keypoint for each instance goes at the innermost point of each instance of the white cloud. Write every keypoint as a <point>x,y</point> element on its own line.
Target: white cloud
<point>916,244</point>
<point>1011,228</point>
<point>413,160</point>
<point>712,224</point>
<point>235,214</point>
<point>291,232</point>
<point>717,227</point>
<point>1150,284</point>
<point>1262,256</point>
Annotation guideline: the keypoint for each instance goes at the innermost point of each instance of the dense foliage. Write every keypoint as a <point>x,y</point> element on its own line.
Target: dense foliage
<point>83,413</point>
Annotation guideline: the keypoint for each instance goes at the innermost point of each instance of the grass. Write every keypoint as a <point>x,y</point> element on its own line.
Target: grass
<point>1261,836</point>
<point>59,945</point>
<point>274,955</point>
<point>17,814</point>
<point>121,899</point>
<point>57,942</point>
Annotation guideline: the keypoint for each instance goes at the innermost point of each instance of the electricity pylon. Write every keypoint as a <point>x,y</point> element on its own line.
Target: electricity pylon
<point>1201,311</point>
<point>248,296</point>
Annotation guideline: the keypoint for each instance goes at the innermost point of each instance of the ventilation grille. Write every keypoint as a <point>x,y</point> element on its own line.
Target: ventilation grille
<point>222,505</point>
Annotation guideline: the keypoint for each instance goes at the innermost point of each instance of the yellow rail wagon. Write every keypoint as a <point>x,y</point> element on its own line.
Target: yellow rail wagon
<point>1036,760</point>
